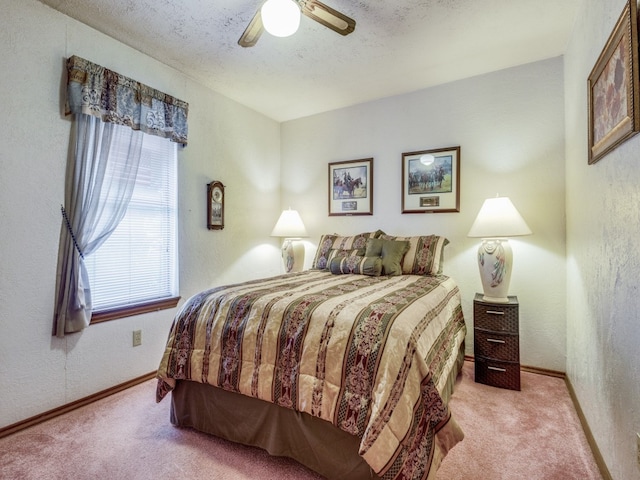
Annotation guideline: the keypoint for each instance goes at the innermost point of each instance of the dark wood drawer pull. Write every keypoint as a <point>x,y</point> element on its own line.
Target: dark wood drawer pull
<point>495,312</point>
<point>497,369</point>
<point>495,340</point>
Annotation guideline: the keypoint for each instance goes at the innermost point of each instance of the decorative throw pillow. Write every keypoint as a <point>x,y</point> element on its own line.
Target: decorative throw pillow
<point>390,251</point>
<point>322,252</point>
<point>330,242</point>
<point>356,264</point>
<point>425,254</point>
<point>354,252</point>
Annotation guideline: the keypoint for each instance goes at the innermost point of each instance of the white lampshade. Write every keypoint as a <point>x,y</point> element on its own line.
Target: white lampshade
<point>281,18</point>
<point>290,226</point>
<point>498,218</point>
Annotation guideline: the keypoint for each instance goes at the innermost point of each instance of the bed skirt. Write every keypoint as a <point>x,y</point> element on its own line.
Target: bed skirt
<point>311,441</point>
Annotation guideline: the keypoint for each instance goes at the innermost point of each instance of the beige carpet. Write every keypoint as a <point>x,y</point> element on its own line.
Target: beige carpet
<point>532,434</point>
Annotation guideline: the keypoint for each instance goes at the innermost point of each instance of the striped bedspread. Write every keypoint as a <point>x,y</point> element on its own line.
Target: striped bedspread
<point>369,354</point>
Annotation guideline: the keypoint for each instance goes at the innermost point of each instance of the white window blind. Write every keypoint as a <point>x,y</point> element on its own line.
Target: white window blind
<point>138,262</point>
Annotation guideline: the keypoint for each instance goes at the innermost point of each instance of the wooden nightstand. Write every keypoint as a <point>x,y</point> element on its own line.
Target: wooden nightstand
<point>496,340</point>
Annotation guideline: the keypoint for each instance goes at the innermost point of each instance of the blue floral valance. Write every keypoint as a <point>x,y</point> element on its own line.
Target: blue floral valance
<point>103,93</point>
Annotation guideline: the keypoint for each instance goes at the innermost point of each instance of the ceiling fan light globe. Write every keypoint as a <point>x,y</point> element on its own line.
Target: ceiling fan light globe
<point>427,159</point>
<point>281,18</point>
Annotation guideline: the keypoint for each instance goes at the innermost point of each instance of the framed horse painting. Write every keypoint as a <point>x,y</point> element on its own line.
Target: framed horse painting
<point>351,187</point>
<point>431,181</point>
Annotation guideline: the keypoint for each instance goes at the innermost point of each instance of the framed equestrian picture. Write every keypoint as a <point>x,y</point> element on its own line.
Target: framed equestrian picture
<point>351,187</point>
<point>431,181</point>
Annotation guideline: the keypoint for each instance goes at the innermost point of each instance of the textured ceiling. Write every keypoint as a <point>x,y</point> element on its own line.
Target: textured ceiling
<point>397,47</point>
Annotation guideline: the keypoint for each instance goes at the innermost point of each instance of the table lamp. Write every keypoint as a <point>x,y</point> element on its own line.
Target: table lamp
<point>497,219</point>
<point>290,226</point>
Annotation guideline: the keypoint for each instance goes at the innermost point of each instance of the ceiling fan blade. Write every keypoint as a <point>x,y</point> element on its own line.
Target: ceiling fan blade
<point>253,31</point>
<point>327,16</point>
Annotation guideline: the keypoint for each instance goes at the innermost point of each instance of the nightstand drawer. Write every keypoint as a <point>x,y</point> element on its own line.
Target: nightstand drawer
<point>497,374</point>
<point>496,317</point>
<point>497,346</point>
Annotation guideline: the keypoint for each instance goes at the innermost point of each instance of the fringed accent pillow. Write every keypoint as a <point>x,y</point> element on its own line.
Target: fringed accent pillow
<point>391,253</point>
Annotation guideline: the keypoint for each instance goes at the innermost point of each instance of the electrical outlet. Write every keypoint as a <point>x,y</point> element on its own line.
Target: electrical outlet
<point>137,338</point>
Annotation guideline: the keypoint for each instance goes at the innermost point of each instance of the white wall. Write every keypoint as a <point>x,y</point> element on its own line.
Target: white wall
<point>227,142</point>
<point>509,125</point>
<point>603,260</point>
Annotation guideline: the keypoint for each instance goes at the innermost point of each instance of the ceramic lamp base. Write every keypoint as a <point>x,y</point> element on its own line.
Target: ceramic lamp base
<point>495,260</point>
<point>292,255</point>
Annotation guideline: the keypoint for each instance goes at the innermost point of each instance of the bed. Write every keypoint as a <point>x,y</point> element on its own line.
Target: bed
<point>347,367</point>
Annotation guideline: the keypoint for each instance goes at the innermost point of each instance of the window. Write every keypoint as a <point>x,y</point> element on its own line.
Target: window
<point>135,270</point>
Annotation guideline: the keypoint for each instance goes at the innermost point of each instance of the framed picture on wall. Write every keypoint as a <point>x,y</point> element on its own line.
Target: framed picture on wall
<point>351,187</point>
<point>431,181</point>
<point>613,88</point>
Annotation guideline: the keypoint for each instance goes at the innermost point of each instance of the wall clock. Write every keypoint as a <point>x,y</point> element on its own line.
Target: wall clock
<point>215,205</point>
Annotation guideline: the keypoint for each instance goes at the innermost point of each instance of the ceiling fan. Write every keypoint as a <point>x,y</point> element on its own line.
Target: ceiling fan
<point>313,9</point>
